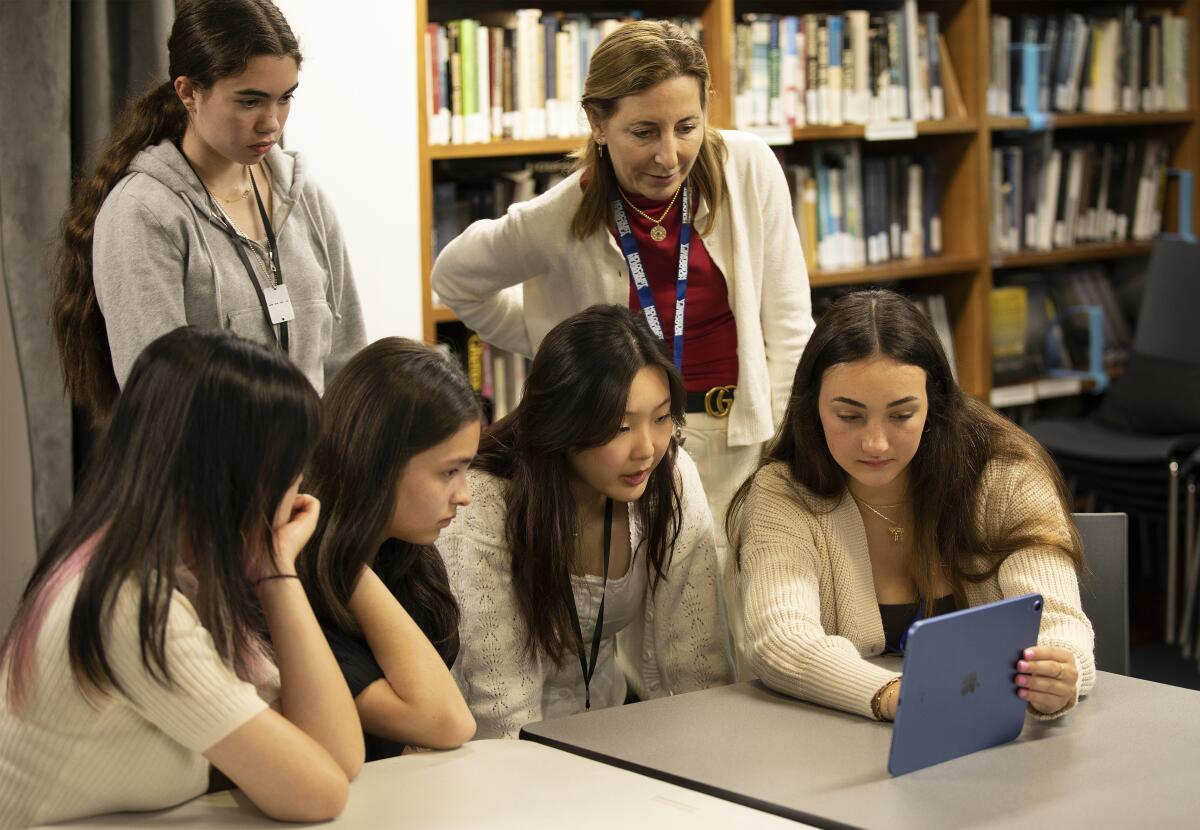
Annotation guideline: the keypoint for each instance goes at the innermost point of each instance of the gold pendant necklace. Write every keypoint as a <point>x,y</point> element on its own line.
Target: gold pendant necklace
<point>895,529</point>
<point>658,233</point>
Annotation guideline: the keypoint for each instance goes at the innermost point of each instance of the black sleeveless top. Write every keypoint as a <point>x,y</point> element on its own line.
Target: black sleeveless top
<point>897,619</point>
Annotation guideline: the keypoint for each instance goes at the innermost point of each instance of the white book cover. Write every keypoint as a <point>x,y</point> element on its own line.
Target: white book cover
<point>760,39</point>
<point>1074,185</point>
<point>940,317</point>
<point>787,79</point>
<point>801,92</point>
<point>1048,206</point>
<point>916,230</point>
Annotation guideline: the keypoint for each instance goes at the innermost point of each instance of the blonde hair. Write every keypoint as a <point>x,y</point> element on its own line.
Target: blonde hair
<point>632,59</point>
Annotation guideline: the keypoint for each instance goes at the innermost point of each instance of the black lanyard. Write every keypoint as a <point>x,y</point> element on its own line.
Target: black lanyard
<point>274,263</point>
<point>588,671</point>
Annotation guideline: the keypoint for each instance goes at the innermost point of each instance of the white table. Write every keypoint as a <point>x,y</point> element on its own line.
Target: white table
<point>1128,757</point>
<point>485,784</point>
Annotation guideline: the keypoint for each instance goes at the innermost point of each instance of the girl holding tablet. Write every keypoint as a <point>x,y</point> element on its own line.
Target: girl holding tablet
<point>587,526</point>
<point>401,427</point>
<point>889,495</point>
<point>166,612</point>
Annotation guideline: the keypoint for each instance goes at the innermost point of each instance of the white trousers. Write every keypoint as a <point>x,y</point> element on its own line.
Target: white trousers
<point>722,470</point>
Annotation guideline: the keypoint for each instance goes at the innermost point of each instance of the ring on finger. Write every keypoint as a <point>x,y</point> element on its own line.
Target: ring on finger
<point>1061,668</point>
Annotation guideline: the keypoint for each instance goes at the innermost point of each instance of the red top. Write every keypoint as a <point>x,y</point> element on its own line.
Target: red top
<point>709,331</point>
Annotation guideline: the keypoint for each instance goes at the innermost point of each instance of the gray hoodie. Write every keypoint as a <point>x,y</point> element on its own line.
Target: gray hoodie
<point>163,256</point>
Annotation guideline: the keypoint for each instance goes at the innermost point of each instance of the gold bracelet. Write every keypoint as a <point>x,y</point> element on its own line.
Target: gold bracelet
<point>877,700</point>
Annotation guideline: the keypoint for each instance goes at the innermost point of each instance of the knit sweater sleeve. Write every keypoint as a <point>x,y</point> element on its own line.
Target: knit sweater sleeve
<point>783,552</point>
<point>501,682</point>
<point>686,646</point>
<point>204,701</point>
<point>1022,500</point>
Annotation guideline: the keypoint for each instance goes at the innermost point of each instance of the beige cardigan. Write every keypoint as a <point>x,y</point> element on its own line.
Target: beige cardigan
<point>513,279</point>
<point>809,601</point>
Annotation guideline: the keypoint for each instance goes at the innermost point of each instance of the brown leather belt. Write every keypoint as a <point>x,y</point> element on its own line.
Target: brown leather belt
<point>715,402</point>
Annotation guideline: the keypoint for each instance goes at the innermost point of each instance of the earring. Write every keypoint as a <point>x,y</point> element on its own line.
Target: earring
<point>600,149</point>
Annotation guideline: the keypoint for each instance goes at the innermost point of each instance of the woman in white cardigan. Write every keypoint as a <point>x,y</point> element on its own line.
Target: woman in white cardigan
<point>889,495</point>
<point>585,562</point>
<point>650,163</point>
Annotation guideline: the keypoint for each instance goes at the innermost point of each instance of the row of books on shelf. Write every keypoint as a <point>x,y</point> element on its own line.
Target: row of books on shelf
<point>831,69</point>
<point>1049,194</point>
<point>933,305</point>
<point>1104,63</point>
<point>496,375</point>
<point>853,211</point>
<point>484,189</point>
<point>1029,338</point>
<point>513,75</point>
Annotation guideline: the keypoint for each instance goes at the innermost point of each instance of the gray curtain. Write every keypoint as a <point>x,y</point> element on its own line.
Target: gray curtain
<point>66,68</point>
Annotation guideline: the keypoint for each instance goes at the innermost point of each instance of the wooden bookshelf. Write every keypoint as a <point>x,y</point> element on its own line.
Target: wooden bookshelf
<point>1077,253</point>
<point>905,269</point>
<point>963,145</point>
<point>501,149</point>
<point>1087,120</point>
<point>947,126</point>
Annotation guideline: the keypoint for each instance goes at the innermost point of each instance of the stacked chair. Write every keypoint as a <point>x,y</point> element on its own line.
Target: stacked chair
<point>1141,473</point>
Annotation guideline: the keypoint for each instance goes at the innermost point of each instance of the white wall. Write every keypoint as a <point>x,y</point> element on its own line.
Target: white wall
<point>19,550</point>
<point>355,118</point>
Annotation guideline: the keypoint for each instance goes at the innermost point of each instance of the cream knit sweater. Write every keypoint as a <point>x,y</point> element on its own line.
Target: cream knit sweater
<point>680,644</point>
<point>809,601</point>
<point>67,755</point>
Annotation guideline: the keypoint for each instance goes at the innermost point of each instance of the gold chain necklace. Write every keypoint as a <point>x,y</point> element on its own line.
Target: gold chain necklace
<point>245,194</point>
<point>658,233</point>
<point>894,528</point>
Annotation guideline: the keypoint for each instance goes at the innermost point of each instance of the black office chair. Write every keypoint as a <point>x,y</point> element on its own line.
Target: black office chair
<point>1122,470</point>
<point>1189,636</point>
<point>1104,588</point>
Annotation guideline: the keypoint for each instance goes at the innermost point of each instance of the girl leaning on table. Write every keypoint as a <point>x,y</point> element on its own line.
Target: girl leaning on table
<point>193,215</point>
<point>401,425</point>
<point>890,495</point>
<point>585,564</point>
<point>657,194</point>
<point>164,629</point>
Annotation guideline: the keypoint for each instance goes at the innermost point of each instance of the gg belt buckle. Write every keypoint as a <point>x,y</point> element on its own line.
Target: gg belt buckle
<point>718,401</point>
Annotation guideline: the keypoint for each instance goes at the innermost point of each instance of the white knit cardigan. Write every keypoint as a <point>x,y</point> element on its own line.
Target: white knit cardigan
<point>681,644</point>
<point>513,279</point>
<point>808,594</point>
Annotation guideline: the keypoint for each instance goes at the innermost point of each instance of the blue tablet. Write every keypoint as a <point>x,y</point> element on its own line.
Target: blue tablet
<point>959,694</point>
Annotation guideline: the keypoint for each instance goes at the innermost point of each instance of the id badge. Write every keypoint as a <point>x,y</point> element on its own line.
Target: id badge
<point>279,305</point>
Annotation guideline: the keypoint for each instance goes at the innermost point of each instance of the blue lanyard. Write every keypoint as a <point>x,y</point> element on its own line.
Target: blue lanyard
<point>916,618</point>
<point>638,271</point>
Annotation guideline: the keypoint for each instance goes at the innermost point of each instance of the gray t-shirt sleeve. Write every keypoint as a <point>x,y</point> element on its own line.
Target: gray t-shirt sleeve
<point>138,271</point>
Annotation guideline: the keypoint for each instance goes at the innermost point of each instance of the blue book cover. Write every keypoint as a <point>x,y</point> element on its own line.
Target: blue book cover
<point>836,39</point>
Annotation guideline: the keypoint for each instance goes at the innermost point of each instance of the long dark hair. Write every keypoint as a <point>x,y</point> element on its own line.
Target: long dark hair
<point>206,439</point>
<point>962,437</point>
<point>210,40</point>
<point>635,57</point>
<point>394,399</point>
<point>575,397</point>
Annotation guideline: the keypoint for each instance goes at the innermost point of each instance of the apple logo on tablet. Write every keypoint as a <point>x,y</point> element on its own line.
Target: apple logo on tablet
<point>970,684</point>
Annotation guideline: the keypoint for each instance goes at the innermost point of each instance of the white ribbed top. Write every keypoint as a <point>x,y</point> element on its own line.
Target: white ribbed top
<point>67,755</point>
<point>810,608</point>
